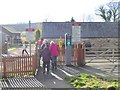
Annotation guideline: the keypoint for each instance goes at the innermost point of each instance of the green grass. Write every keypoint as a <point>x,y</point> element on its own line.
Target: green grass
<point>91,81</point>
<point>10,49</point>
<point>14,47</point>
<point>32,44</point>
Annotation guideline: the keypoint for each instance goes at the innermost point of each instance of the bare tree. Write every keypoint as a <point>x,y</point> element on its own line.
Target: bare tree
<point>104,13</point>
<point>113,6</point>
<point>109,11</point>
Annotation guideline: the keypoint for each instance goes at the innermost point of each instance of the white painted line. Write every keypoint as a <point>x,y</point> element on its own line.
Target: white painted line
<point>66,72</point>
<point>56,76</point>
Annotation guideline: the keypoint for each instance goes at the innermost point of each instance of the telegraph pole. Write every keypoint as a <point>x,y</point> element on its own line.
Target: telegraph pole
<point>30,40</point>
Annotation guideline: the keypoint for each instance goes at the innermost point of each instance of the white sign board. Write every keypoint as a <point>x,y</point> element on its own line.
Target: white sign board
<point>30,34</point>
<point>76,33</point>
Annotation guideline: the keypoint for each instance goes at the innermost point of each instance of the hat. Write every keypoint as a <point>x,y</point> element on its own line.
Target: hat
<point>45,41</point>
<point>51,42</point>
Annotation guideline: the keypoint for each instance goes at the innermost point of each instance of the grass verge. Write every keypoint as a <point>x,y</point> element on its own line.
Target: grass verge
<point>10,49</point>
<point>91,81</point>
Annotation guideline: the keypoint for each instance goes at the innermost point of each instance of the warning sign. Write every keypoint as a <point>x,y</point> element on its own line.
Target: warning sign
<point>76,33</point>
<point>60,42</point>
<point>30,34</point>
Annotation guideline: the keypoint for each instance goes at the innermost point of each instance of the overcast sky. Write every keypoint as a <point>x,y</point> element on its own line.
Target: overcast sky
<point>21,11</point>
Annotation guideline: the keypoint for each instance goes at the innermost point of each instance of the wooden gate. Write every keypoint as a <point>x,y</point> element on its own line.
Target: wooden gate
<point>103,53</point>
<point>18,65</point>
<point>108,53</point>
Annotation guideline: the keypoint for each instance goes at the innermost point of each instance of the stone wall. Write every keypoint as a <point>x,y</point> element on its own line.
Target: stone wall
<point>96,42</point>
<point>102,42</point>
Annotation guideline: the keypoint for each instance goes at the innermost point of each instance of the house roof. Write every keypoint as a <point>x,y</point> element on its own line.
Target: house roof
<point>88,29</point>
<point>23,27</point>
<point>10,29</point>
<point>17,28</point>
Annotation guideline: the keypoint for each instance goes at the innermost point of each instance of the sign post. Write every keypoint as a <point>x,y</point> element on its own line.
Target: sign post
<point>30,35</point>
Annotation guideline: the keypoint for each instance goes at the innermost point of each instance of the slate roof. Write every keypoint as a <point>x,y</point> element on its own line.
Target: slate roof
<point>57,29</point>
<point>23,27</point>
<point>88,29</point>
<point>10,29</point>
<point>99,29</point>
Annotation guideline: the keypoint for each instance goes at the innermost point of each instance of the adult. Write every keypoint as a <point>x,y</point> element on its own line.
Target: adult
<point>24,48</point>
<point>39,42</point>
<point>46,54</point>
<point>42,46</point>
<point>54,52</point>
<point>45,42</point>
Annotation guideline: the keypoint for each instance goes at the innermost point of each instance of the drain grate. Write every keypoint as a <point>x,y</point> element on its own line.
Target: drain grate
<point>4,84</point>
<point>27,82</point>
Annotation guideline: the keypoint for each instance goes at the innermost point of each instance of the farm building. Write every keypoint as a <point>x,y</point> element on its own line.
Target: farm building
<point>97,33</point>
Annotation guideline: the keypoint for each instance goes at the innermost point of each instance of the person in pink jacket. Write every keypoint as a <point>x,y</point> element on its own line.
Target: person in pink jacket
<point>54,52</point>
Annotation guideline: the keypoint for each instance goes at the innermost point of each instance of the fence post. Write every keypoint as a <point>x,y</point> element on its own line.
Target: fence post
<point>4,66</point>
<point>34,63</point>
<point>75,55</point>
<point>80,58</point>
<point>60,57</point>
<point>63,56</point>
<point>37,55</point>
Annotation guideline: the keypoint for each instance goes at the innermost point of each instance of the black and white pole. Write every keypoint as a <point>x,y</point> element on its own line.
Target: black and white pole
<point>68,49</point>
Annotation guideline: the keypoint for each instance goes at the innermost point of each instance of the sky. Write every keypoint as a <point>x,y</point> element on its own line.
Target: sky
<point>21,11</point>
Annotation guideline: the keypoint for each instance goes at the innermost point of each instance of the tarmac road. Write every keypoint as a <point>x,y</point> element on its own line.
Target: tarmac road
<point>18,51</point>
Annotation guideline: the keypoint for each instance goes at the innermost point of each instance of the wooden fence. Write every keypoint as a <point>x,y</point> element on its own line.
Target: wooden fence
<point>18,66</point>
<point>77,56</point>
